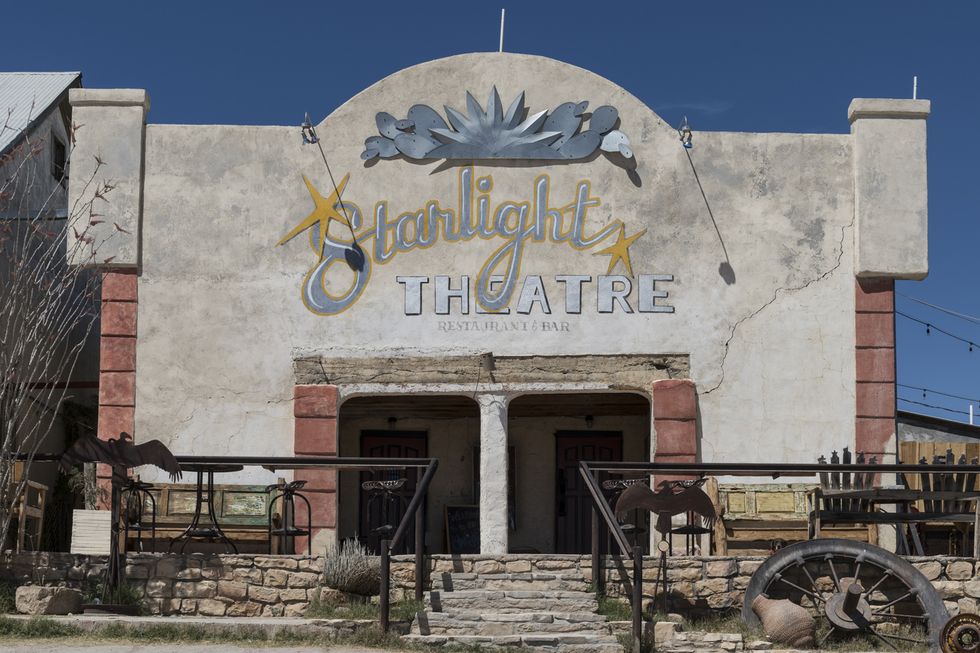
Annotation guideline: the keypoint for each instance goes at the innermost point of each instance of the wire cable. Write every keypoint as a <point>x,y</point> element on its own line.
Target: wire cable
<point>962,316</point>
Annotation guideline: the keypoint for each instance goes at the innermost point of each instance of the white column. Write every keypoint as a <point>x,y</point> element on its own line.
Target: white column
<point>493,473</point>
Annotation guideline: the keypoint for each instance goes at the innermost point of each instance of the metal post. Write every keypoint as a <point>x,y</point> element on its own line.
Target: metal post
<point>503,12</point>
<point>598,577</point>
<point>385,583</point>
<point>419,552</point>
<point>637,598</point>
<point>415,504</point>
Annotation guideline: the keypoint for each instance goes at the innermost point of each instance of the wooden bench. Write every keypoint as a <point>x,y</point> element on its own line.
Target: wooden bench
<point>242,512</point>
<point>758,517</point>
<point>853,498</point>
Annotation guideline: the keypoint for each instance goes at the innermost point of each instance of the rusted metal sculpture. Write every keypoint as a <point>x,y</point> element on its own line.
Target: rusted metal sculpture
<point>121,454</point>
<point>851,587</point>
<point>671,498</point>
<point>961,634</point>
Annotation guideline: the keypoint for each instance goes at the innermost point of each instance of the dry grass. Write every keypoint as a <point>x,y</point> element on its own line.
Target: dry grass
<point>400,610</point>
<point>41,629</point>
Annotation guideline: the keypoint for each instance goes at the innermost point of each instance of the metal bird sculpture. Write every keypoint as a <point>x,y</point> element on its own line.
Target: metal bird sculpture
<point>120,453</point>
<point>671,498</point>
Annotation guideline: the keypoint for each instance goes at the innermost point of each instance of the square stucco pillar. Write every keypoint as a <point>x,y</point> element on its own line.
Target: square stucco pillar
<point>108,149</point>
<point>315,434</point>
<point>890,197</point>
<point>493,473</point>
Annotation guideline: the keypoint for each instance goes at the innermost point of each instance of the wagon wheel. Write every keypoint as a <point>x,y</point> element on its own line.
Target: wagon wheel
<point>851,587</point>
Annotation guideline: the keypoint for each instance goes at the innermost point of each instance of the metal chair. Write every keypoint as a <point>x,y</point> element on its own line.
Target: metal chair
<point>384,496</point>
<point>287,528</point>
<point>133,496</point>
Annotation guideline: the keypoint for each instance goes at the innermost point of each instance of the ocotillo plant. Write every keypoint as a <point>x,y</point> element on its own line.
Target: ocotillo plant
<point>48,307</point>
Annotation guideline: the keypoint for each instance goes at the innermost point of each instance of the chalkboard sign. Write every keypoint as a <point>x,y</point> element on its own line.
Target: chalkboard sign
<point>463,529</point>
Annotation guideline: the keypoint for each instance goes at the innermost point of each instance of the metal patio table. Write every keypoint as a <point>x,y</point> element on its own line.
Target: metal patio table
<point>204,495</point>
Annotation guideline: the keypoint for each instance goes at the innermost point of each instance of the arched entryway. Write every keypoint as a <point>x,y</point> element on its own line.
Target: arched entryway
<point>446,427</point>
<point>548,434</point>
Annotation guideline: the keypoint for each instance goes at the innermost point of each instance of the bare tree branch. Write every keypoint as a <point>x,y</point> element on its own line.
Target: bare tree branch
<point>48,303</point>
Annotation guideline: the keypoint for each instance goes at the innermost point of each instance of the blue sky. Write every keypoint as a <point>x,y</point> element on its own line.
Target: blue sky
<point>732,66</point>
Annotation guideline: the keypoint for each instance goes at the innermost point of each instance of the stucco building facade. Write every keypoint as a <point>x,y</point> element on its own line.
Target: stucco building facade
<point>526,290</point>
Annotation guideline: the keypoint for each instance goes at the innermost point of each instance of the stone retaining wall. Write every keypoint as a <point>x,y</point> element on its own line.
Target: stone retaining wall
<point>194,584</point>
<point>246,585</point>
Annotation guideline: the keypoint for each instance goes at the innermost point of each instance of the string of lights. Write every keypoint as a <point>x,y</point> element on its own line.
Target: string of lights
<point>930,327</point>
<point>936,392</point>
<point>922,403</point>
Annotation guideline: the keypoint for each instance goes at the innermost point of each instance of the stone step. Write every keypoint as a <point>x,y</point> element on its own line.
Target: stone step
<point>450,582</point>
<point>499,624</point>
<point>668,638</point>
<point>531,642</point>
<point>510,601</point>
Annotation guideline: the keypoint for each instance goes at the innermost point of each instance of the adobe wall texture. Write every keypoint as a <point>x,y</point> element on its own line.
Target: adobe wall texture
<point>760,234</point>
<point>756,229</point>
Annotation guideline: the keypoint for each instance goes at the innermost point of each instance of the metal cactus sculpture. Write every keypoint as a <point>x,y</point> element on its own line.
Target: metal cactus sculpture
<point>496,133</point>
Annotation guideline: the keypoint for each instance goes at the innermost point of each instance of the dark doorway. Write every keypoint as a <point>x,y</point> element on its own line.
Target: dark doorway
<point>378,509</point>
<point>573,509</point>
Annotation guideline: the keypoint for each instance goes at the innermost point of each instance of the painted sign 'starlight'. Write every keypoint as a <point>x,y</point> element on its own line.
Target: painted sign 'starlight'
<point>515,223</point>
<point>497,134</point>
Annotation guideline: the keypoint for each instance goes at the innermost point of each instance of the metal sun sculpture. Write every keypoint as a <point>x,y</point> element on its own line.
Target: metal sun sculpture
<point>496,133</point>
<point>671,498</point>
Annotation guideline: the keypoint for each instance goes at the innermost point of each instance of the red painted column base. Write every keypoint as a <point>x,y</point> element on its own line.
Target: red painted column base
<point>675,423</point>
<point>117,366</point>
<point>315,434</point>
<point>875,411</point>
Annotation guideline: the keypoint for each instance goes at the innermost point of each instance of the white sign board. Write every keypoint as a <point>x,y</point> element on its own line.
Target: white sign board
<point>90,531</point>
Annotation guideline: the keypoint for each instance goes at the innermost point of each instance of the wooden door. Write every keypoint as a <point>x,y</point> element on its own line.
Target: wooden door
<point>377,512</point>
<point>573,503</point>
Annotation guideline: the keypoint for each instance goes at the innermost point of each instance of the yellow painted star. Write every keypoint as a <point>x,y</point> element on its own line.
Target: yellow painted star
<point>323,213</point>
<point>620,251</point>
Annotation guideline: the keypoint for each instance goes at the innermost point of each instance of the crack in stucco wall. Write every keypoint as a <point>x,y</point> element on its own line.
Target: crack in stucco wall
<point>775,295</point>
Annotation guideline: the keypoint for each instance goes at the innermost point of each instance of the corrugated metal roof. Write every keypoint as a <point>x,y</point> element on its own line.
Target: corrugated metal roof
<point>27,96</point>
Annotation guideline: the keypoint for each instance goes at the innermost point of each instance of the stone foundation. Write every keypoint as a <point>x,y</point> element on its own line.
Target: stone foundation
<point>245,585</point>
<point>196,584</point>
